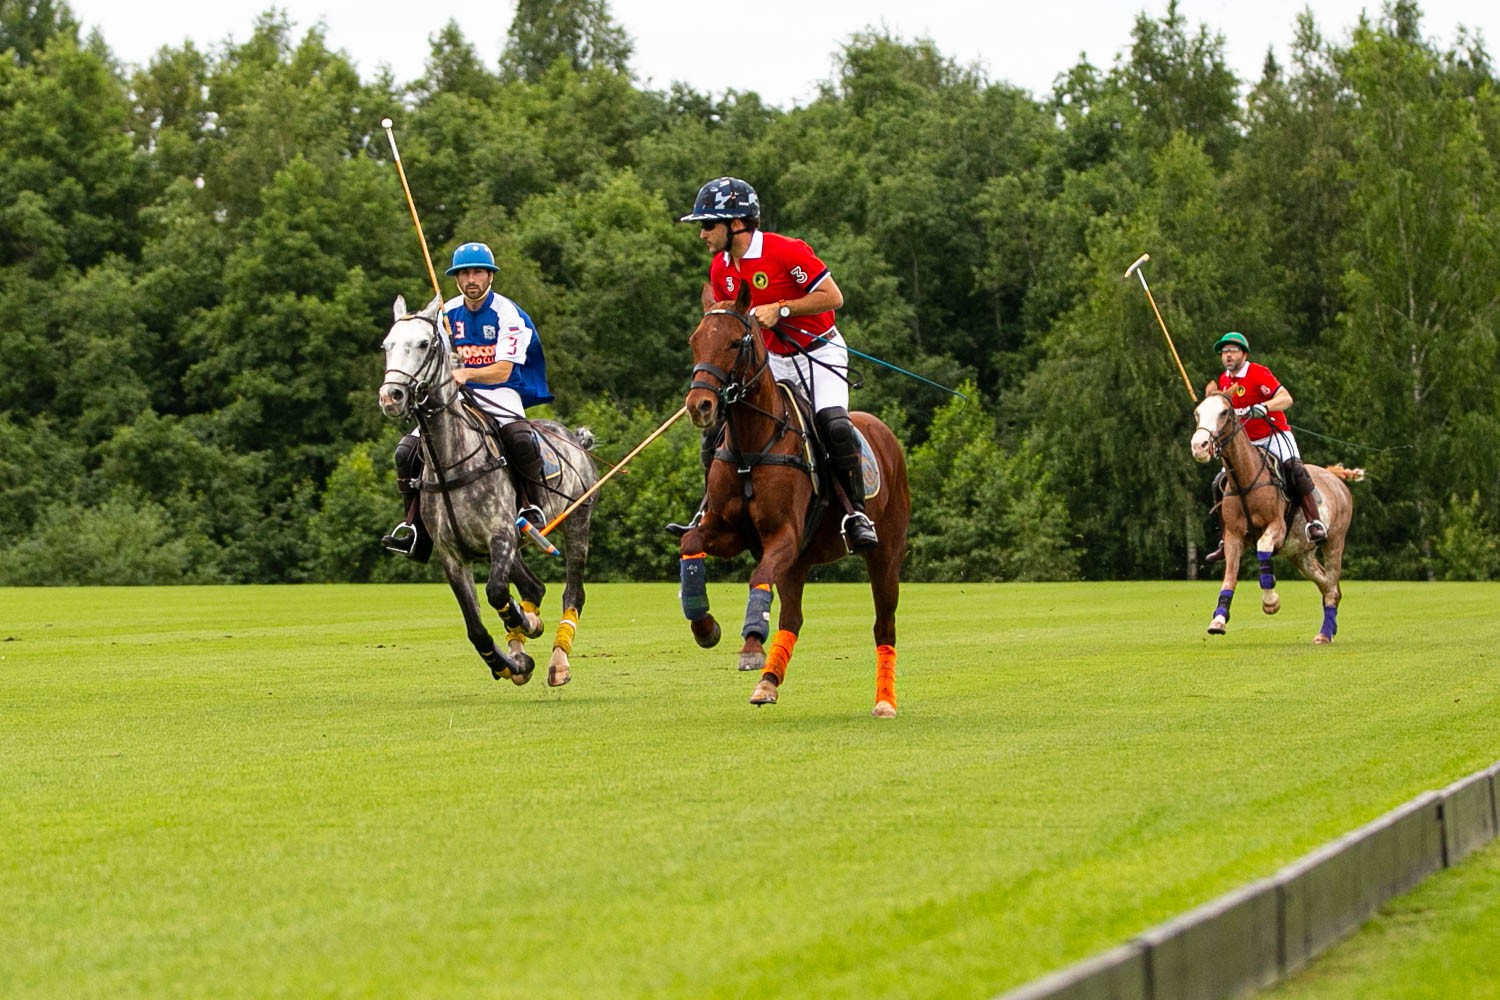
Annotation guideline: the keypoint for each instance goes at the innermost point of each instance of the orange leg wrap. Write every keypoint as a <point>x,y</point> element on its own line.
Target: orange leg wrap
<point>780,654</point>
<point>885,674</point>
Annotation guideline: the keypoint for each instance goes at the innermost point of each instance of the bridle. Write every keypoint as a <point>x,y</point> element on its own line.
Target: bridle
<point>733,385</point>
<point>732,389</point>
<point>419,384</point>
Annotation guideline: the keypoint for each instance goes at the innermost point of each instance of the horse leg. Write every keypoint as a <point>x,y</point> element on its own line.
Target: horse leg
<point>788,625</point>
<point>462,585</point>
<point>885,585</point>
<point>710,537</point>
<point>1233,548</point>
<point>777,558</point>
<point>497,591</point>
<point>532,591</point>
<point>1327,579</point>
<point>1265,547</point>
<point>576,555</point>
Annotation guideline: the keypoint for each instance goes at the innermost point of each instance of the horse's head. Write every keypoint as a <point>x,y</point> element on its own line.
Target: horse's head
<point>1213,417</point>
<point>728,348</point>
<point>416,357</point>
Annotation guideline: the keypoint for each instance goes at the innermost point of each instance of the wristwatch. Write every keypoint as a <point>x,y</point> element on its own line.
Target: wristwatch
<point>784,311</point>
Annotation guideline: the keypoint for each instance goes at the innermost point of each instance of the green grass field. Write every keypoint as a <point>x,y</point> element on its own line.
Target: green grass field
<point>318,791</point>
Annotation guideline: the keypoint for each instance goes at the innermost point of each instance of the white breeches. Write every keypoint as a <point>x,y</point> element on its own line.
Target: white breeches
<point>824,376</point>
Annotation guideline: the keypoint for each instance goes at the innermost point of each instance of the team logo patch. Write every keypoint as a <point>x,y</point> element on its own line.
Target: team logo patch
<point>1238,389</point>
<point>760,280</point>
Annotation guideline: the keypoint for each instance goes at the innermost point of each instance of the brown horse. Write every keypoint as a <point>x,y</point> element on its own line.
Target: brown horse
<point>1254,503</point>
<point>762,487</point>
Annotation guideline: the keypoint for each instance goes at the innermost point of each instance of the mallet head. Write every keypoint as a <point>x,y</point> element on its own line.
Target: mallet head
<point>386,123</point>
<point>1138,262</point>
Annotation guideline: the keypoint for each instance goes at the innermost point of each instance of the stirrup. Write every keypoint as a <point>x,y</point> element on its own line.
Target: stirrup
<point>681,529</point>
<point>402,539</point>
<point>859,532</point>
<point>1317,532</point>
<point>533,515</point>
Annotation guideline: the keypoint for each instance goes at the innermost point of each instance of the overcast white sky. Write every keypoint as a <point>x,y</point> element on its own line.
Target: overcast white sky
<point>784,50</point>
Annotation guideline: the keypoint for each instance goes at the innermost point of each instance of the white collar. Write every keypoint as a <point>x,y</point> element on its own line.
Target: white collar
<point>1244,368</point>
<point>753,251</point>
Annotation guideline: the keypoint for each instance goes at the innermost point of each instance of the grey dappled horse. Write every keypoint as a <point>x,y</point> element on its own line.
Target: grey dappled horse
<point>469,501</point>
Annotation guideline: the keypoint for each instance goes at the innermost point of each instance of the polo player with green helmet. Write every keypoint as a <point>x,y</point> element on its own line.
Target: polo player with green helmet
<point>1261,402</point>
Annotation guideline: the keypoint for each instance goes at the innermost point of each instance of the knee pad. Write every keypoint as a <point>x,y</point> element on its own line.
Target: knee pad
<point>520,443</point>
<point>409,457</point>
<point>837,428</point>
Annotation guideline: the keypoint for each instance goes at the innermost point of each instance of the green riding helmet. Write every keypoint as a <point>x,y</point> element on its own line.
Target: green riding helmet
<point>1237,339</point>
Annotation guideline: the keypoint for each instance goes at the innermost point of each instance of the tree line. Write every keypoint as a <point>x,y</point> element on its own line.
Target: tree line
<point>198,259</point>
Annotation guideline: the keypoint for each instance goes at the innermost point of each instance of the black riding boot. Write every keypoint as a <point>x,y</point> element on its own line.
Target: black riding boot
<point>706,449</point>
<point>1217,491</point>
<point>843,456</point>
<point>525,457</point>
<point>410,538</point>
<point>1308,497</point>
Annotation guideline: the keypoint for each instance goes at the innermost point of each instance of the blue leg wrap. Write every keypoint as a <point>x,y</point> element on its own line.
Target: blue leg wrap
<point>694,592</point>
<point>1267,578</point>
<point>758,613</point>
<point>1226,597</point>
<point>1330,621</point>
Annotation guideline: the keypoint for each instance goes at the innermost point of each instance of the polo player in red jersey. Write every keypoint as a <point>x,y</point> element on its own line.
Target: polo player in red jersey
<point>1261,402</point>
<point>793,297</point>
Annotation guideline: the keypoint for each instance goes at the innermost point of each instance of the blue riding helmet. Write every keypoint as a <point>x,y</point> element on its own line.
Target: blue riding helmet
<point>472,255</point>
<point>722,199</point>
<point>1237,339</point>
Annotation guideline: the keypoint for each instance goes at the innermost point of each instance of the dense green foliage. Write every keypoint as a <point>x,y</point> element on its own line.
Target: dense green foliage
<point>318,791</point>
<point>198,257</point>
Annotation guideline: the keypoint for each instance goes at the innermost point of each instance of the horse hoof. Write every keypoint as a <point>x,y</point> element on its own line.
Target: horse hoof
<point>558,673</point>
<point>764,693</point>
<point>1272,606</point>
<point>1216,627</point>
<point>707,632</point>
<point>528,630</point>
<point>1322,639</point>
<point>884,710</point>
<point>524,666</point>
<point>753,661</point>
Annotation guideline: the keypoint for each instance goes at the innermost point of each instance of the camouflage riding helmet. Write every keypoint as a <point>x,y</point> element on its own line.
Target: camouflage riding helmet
<point>472,255</point>
<point>1232,339</point>
<point>722,199</point>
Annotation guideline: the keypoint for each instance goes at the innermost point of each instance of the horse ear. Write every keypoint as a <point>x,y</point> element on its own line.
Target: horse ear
<point>742,300</point>
<point>434,306</point>
<point>1210,389</point>
<point>707,295</point>
<point>399,309</point>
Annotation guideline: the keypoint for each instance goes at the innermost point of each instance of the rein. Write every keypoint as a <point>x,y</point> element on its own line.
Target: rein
<point>733,390</point>
<point>1219,441</point>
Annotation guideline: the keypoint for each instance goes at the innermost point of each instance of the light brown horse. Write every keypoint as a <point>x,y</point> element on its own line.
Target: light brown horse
<point>1254,504</point>
<point>760,491</point>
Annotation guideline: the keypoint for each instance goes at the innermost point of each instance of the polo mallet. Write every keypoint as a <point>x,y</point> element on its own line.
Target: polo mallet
<point>606,477</point>
<point>390,135</point>
<point>1136,270</point>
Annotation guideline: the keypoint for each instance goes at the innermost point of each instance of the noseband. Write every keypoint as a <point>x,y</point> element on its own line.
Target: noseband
<point>732,384</point>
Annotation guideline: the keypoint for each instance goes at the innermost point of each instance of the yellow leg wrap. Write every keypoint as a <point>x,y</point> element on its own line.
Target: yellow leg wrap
<point>780,654</point>
<point>518,635</point>
<point>885,674</point>
<point>566,629</point>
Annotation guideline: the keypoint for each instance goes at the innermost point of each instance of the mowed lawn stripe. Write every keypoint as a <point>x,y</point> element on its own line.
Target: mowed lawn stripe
<point>318,791</point>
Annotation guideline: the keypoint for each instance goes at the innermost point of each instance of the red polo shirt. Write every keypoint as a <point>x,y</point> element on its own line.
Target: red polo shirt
<point>776,267</point>
<point>1256,385</point>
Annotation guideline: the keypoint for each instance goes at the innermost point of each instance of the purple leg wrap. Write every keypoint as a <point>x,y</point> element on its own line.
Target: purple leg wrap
<point>1267,578</point>
<point>1226,597</point>
<point>1330,621</point>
